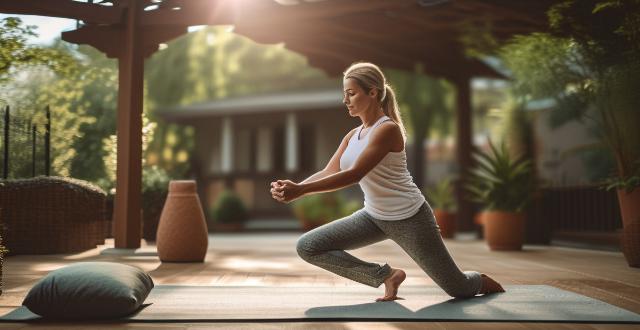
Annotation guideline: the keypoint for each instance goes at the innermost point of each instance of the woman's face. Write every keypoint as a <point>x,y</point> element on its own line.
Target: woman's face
<point>356,99</point>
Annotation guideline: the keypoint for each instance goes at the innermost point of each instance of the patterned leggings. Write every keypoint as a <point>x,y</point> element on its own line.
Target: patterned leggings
<point>418,235</point>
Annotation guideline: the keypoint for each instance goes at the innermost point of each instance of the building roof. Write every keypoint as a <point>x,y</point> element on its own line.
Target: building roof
<point>254,104</point>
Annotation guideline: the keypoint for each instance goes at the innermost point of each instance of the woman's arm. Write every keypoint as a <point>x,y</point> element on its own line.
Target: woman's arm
<point>332,167</point>
<point>380,144</point>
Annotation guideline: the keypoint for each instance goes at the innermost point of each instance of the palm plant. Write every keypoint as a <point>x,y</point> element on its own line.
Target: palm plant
<point>500,182</point>
<point>441,196</point>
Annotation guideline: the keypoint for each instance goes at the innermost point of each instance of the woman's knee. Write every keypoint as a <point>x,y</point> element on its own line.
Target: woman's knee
<point>305,247</point>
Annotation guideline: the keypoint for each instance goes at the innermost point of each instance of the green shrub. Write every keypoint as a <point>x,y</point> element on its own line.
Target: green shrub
<point>229,208</point>
<point>441,195</point>
<point>324,207</point>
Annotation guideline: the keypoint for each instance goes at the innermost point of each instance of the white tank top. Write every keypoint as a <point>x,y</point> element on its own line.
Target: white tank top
<point>389,191</point>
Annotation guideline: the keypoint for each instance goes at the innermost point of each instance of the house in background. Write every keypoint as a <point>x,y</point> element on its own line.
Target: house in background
<point>244,143</point>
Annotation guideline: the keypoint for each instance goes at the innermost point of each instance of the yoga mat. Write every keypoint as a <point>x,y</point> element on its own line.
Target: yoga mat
<point>521,303</point>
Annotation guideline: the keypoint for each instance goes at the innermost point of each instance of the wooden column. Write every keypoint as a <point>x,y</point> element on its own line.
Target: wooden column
<point>128,200</point>
<point>463,149</point>
<point>291,143</point>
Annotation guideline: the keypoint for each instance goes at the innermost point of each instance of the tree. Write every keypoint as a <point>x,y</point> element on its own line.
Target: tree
<point>424,100</point>
<point>16,53</point>
<point>591,66</point>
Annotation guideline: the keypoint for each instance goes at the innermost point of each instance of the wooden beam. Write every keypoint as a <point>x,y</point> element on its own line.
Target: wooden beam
<point>108,38</point>
<point>316,10</point>
<point>128,202</point>
<point>87,12</point>
<point>191,13</point>
<point>158,34</point>
<point>105,38</point>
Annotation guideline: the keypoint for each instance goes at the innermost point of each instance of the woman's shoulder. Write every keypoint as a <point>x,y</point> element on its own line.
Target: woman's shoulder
<point>389,131</point>
<point>389,127</point>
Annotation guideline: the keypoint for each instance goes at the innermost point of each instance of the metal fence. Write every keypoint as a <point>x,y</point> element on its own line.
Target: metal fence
<point>17,127</point>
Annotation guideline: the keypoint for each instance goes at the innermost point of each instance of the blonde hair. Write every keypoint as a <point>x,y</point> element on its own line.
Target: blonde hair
<point>369,76</point>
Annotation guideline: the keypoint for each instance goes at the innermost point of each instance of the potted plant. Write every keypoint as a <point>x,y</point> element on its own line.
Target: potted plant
<point>318,209</point>
<point>229,213</point>
<point>628,189</point>
<point>505,186</point>
<point>442,201</point>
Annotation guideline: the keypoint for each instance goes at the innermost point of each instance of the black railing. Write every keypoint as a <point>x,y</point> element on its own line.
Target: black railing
<point>11,124</point>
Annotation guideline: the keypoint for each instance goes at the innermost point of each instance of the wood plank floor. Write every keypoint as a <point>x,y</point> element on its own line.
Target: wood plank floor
<point>270,259</point>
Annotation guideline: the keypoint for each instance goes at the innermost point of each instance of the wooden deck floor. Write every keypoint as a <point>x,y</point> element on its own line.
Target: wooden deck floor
<point>270,259</point>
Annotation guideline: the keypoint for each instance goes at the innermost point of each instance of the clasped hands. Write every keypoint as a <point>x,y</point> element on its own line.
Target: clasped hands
<point>286,191</point>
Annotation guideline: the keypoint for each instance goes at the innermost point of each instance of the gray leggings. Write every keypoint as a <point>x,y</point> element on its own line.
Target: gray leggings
<point>418,235</point>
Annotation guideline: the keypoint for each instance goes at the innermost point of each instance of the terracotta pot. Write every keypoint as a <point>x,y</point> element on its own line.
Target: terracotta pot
<point>182,231</point>
<point>309,225</point>
<point>629,205</point>
<point>446,221</point>
<point>504,230</point>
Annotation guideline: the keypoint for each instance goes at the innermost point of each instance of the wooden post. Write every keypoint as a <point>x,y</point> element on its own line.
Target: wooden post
<point>128,199</point>
<point>463,149</point>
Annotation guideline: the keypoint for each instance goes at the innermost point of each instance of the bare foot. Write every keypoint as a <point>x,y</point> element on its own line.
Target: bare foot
<point>489,285</point>
<point>391,285</point>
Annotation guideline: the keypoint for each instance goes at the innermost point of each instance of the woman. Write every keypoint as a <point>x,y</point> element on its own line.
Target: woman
<point>373,155</point>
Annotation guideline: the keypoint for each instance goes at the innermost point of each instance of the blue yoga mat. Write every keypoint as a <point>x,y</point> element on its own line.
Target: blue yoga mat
<point>521,303</point>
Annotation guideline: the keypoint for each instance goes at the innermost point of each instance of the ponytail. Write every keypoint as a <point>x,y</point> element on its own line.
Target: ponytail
<point>390,106</point>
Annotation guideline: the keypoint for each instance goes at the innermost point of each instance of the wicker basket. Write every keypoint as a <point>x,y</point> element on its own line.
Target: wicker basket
<point>49,215</point>
<point>630,242</point>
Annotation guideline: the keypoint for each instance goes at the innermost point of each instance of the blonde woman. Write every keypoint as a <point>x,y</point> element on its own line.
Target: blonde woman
<point>373,155</point>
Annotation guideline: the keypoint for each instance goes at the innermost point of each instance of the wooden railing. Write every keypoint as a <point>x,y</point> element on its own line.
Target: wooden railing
<point>577,208</point>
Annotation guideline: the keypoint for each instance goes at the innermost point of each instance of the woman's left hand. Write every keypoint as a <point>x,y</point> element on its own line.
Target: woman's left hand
<point>286,191</point>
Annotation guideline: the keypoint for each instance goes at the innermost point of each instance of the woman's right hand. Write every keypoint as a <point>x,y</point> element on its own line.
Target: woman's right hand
<point>275,194</point>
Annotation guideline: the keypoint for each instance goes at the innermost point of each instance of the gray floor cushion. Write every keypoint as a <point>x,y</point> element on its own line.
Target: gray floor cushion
<point>89,290</point>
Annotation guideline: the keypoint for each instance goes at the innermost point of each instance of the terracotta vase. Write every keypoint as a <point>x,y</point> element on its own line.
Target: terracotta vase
<point>504,230</point>
<point>446,221</point>
<point>629,205</point>
<point>182,231</point>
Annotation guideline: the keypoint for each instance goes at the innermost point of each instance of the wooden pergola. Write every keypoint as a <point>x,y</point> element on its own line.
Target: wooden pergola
<point>332,34</point>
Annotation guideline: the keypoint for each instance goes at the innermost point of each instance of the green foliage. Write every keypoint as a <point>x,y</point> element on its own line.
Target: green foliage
<point>426,102</point>
<point>99,99</point>
<point>153,177</point>
<point>16,53</point>
<point>441,195</point>
<point>591,66</point>
<point>500,183</point>
<point>628,183</point>
<point>324,208</point>
<point>516,126</point>
<point>229,208</point>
